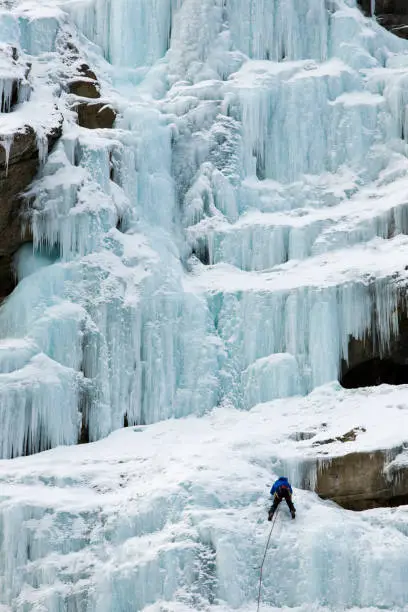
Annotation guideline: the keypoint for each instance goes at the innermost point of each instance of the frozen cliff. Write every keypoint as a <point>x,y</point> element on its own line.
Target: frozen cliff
<point>205,215</point>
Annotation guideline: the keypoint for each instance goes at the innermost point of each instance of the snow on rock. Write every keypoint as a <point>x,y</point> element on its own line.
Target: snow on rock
<point>358,481</point>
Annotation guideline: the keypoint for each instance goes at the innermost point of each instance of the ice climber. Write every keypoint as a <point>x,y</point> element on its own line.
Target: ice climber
<point>281,490</point>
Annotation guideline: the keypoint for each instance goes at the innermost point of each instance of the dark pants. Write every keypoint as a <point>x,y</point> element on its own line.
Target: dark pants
<point>279,496</point>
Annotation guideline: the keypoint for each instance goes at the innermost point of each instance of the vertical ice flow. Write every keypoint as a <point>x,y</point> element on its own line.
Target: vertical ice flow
<point>244,143</point>
<point>130,32</point>
<point>218,248</point>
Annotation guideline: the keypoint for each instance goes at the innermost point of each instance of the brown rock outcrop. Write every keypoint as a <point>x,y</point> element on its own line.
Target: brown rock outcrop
<point>15,177</point>
<point>359,481</point>
<point>86,84</point>
<point>95,115</point>
<point>91,115</point>
<point>85,88</point>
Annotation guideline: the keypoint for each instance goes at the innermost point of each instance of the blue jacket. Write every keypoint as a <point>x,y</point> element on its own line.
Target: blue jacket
<point>282,481</point>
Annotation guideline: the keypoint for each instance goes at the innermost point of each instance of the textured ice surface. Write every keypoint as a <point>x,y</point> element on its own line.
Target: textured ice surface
<point>240,142</point>
<point>172,516</point>
<point>217,248</point>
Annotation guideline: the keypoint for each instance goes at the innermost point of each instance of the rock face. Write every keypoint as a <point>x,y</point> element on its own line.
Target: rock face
<point>19,153</point>
<point>91,115</point>
<point>19,159</point>
<point>392,14</point>
<point>95,115</point>
<point>86,84</point>
<point>17,170</point>
<point>359,481</point>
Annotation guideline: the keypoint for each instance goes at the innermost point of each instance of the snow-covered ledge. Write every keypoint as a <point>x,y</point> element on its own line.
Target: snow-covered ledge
<point>351,449</point>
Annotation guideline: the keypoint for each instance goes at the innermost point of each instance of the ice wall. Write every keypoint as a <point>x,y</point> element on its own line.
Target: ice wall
<point>276,31</point>
<point>219,246</point>
<point>100,309</point>
<point>250,135</point>
<point>173,516</point>
<point>130,32</point>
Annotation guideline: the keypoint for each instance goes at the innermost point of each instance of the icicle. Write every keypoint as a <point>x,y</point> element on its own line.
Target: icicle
<point>42,146</point>
<point>6,93</point>
<point>6,142</point>
<point>24,92</point>
<point>272,96</point>
<point>258,324</point>
<point>36,411</point>
<point>279,30</point>
<point>130,32</point>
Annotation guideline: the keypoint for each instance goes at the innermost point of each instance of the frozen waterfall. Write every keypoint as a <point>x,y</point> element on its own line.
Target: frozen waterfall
<point>245,217</point>
<point>248,143</point>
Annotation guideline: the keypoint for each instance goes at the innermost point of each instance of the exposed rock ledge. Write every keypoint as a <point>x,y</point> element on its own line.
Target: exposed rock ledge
<point>86,89</point>
<point>359,481</point>
<point>95,115</point>
<point>349,446</point>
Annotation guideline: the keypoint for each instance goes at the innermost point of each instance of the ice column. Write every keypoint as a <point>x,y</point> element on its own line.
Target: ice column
<point>131,32</point>
<point>288,29</point>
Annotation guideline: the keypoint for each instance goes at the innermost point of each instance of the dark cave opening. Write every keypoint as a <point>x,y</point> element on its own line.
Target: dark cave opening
<point>375,372</point>
<point>202,253</point>
<point>365,6</point>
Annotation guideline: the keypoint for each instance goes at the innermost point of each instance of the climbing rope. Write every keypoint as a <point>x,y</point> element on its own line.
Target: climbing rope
<point>264,557</point>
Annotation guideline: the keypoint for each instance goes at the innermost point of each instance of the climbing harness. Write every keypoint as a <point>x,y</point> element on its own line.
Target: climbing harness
<point>264,557</point>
